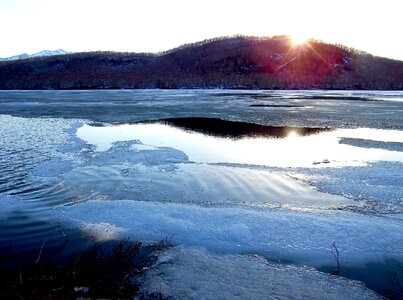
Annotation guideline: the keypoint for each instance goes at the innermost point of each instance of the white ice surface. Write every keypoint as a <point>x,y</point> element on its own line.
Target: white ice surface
<point>195,274</point>
<point>378,186</point>
<point>304,238</point>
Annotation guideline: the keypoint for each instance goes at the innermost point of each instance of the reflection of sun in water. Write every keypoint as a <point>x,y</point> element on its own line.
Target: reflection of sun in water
<point>292,134</point>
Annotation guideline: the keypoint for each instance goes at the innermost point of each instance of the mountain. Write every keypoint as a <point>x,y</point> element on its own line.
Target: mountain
<point>39,54</point>
<point>234,62</point>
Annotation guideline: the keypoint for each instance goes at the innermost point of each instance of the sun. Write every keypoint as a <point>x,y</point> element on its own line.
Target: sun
<point>298,39</point>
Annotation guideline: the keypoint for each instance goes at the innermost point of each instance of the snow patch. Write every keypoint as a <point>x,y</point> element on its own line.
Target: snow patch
<point>102,231</point>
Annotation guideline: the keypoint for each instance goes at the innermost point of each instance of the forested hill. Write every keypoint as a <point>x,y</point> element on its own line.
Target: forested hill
<point>237,62</point>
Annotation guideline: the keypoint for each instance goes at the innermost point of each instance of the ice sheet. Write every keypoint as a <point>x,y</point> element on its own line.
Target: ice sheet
<point>183,273</point>
<point>314,108</point>
<point>378,186</point>
<point>207,185</point>
<point>304,238</point>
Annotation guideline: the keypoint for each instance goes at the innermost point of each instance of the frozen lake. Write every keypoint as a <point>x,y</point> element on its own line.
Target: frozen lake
<point>258,181</point>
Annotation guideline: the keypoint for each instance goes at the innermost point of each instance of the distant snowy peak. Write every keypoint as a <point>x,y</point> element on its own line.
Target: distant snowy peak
<point>49,53</point>
<point>39,54</point>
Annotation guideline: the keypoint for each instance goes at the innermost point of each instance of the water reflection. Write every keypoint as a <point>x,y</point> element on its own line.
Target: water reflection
<point>240,143</point>
<point>236,130</point>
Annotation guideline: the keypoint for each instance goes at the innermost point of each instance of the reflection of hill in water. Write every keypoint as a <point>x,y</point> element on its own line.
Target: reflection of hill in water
<point>235,130</point>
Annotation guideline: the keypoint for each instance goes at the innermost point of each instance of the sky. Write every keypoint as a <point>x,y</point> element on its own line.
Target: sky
<point>30,26</point>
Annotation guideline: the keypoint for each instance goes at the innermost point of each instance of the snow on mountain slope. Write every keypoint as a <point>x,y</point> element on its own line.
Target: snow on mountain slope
<point>39,54</point>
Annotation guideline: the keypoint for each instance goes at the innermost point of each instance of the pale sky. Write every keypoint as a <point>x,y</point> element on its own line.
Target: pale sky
<point>30,26</point>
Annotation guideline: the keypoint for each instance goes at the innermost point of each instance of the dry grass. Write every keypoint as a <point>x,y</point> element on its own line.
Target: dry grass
<point>104,270</point>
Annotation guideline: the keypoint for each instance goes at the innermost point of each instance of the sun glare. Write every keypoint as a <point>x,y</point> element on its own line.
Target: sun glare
<point>299,39</point>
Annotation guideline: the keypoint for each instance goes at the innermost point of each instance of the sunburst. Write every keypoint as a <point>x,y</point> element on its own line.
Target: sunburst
<point>298,39</point>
